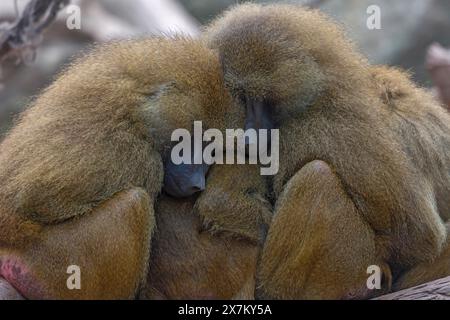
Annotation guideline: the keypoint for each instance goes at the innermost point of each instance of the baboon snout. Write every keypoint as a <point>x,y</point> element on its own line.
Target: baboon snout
<point>184,180</point>
<point>199,184</point>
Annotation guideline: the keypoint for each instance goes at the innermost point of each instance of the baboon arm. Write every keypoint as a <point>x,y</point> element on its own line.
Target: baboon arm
<point>318,246</point>
<point>109,245</point>
<point>190,263</point>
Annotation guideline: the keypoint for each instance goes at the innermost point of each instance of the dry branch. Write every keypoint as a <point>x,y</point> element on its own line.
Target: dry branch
<point>436,290</point>
<point>21,37</point>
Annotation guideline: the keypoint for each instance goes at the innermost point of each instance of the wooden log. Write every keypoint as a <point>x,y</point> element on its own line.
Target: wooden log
<point>436,290</point>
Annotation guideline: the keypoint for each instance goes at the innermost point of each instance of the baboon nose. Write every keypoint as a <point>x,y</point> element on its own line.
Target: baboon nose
<point>196,189</point>
<point>199,186</point>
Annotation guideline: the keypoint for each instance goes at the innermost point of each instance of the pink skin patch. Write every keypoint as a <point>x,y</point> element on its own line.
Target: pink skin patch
<point>16,273</point>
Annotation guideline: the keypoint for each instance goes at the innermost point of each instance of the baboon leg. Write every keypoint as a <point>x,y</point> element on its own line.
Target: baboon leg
<point>101,255</point>
<point>427,272</point>
<point>318,246</point>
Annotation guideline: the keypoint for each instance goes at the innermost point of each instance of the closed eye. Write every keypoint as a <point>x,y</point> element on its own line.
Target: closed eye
<point>242,98</point>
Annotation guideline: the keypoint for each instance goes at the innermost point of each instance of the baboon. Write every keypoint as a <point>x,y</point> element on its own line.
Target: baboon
<point>364,164</point>
<point>207,247</point>
<point>82,168</point>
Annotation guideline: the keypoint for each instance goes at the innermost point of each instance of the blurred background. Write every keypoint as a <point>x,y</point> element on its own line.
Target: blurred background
<point>408,28</point>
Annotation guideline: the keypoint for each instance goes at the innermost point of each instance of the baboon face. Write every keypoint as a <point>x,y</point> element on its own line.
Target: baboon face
<point>199,95</point>
<point>261,67</point>
<point>184,180</point>
<point>266,62</point>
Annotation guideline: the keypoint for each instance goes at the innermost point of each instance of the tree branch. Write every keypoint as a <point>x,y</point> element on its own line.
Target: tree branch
<point>21,37</point>
<point>436,290</point>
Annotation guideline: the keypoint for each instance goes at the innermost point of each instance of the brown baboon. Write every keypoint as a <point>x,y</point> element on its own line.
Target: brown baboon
<point>82,167</point>
<point>378,193</point>
<point>207,248</point>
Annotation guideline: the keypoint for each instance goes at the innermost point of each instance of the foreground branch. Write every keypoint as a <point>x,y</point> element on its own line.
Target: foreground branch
<point>436,290</point>
<point>23,36</point>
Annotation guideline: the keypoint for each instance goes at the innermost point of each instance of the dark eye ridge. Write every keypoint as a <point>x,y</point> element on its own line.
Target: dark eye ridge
<point>242,97</point>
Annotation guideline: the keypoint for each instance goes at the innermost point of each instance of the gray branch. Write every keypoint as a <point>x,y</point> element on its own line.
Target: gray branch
<point>20,38</point>
<point>436,290</point>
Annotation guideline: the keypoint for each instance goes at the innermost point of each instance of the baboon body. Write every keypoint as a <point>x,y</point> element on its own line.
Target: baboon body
<point>102,126</point>
<point>383,140</point>
<point>82,168</point>
<point>207,247</point>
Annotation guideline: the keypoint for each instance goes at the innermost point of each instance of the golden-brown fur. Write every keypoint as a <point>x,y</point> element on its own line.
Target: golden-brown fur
<point>94,131</point>
<point>235,203</point>
<point>385,139</point>
<point>319,258</point>
<point>100,129</point>
<point>111,247</point>
<point>426,272</point>
<point>191,262</point>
